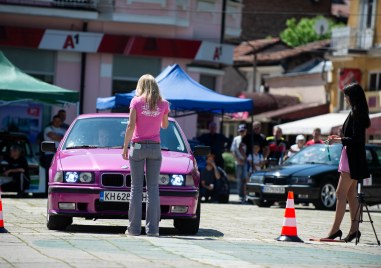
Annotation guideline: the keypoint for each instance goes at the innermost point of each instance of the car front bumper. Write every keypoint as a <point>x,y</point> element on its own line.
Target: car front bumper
<point>88,205</point>
<point>278,193</point>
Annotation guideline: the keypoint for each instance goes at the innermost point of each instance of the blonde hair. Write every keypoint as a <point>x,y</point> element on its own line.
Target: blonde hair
<point>149,89</point>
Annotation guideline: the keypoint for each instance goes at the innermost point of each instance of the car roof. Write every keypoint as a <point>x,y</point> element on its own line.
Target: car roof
<point>95,115</point>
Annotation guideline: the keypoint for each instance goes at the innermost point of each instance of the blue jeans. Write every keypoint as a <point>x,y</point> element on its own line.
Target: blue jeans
<point>241,173</point>
<point>148,156</point>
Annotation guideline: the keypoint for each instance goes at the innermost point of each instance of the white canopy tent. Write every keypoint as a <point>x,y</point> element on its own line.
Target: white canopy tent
<point>328,123</point>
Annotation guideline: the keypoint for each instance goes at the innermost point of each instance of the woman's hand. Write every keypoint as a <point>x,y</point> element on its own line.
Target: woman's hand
<point>125,154</point>
<point>334,139</point>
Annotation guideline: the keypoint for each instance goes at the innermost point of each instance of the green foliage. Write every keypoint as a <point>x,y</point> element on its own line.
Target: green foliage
<point>229,163</point>
<point>303,32</point>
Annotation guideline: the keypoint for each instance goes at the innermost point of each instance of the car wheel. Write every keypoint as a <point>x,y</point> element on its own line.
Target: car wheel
<point>58,222</point>
<point>327,196</point>
<point>189,226</point>
<point>263,203</point>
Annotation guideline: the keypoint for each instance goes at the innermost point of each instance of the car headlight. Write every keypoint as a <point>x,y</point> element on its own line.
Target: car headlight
<point>176,180</point>
<point>256,179</point>
<point>81,177</point>
<point>301,180</point>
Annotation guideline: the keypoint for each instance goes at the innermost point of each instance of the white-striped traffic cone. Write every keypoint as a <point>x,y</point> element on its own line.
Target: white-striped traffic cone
<point>2,229</point>
<point>289,230</point>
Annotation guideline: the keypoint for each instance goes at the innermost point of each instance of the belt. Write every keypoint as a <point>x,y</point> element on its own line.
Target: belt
<point>146,142</point>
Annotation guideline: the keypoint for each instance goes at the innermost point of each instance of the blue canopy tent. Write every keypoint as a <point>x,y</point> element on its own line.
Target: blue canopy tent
<point>184,94</point>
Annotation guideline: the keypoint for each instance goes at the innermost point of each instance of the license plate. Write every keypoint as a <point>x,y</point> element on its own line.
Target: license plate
<point>114,196</point>
<point>274,190</point>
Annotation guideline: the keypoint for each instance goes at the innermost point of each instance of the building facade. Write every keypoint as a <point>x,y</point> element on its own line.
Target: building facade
<point>356,56</point>
<point>102,47</point>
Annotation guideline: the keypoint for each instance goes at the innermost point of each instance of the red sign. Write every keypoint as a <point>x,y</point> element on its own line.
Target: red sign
<point>349,75</point>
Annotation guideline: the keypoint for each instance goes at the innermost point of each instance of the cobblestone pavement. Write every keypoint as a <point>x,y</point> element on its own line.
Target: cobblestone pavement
<point>230,235</point>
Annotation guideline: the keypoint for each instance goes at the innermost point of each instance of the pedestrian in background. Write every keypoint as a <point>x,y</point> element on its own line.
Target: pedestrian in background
<point>16,167</point>
<point>255,159</point>
<point>217,143</point>
<point>62,114</point>
<point>255,136</point>
<point>55,133</point>
<point>238,148</point>
<point>277,147</point>
<point>209,177</point>
<point>148,113</point>
<point>353,165</point>
<point>299,144</point>
<point>316,134</point>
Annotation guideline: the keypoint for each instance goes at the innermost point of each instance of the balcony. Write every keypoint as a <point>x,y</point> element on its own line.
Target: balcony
<point>344,39</point>
<point>71,4</point>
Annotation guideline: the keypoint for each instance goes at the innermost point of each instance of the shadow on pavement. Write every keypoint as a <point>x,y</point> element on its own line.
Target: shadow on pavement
<point>164,231</point>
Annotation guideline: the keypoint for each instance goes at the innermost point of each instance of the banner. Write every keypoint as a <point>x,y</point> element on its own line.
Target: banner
<point>349,75</point>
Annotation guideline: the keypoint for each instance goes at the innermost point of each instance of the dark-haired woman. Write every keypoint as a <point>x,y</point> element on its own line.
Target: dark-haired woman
<point>353,166</point>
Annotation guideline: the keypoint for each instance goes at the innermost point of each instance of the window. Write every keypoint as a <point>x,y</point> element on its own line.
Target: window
<point>368,10</point>
<point>374,81</point>
<point>127,71</point>
<point>37,63</point>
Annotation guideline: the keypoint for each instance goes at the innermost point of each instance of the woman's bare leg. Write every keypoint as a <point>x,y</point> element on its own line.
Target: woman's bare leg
<point>343,186</point>
<point>353,206</point>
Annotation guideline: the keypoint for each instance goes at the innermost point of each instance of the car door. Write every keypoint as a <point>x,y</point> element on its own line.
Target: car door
<point>372,186</point>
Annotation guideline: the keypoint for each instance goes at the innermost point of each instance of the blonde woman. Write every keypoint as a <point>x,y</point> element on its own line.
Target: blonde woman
<point>148,113</point>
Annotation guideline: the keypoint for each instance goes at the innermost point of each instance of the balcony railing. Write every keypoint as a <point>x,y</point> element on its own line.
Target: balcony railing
<point>82,4</point>
<point>346,38</point>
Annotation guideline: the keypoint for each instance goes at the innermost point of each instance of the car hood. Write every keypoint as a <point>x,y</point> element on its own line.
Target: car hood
<point>297,170</point>
<point>111,160</point>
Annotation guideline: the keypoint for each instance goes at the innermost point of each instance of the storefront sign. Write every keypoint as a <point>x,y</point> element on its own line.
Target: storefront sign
<point>349,75</point>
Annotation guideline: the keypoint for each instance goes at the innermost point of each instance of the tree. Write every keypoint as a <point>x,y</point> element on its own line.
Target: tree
<point>303,32</point>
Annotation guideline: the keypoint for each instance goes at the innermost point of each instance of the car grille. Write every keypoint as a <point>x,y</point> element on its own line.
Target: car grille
<point>275,180</point>
<point>117,180</point>
<point>112,179</point>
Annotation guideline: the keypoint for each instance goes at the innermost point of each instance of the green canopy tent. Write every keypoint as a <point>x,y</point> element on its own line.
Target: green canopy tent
<point>16,85</point>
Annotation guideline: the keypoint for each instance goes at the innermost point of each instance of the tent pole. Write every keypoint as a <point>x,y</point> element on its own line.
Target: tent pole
<point>222,122</point>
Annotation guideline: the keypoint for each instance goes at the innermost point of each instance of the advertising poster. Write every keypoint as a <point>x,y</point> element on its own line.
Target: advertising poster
<point>25,118</point>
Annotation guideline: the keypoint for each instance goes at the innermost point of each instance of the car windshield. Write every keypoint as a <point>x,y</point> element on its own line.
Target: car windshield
<point>317,154</point>
<point>108,132</point>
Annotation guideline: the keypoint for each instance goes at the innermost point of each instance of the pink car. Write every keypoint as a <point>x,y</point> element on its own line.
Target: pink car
<point>88,177</point>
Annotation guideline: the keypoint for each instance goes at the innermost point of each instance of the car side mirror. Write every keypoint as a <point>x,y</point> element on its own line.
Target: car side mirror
<point>48,146</point>
<point>201,150</point>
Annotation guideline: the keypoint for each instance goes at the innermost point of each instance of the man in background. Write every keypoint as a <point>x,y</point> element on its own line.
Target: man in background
<point>217,143</point>
<point>315,137</point>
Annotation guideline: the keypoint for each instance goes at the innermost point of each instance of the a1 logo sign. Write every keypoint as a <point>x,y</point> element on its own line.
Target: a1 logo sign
<point>71,41</point>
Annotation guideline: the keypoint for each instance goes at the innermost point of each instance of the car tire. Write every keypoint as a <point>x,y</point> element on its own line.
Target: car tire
<point>189,226</point>
<point>58,222</point>
<point>327,196</point>
<point>263,203</point>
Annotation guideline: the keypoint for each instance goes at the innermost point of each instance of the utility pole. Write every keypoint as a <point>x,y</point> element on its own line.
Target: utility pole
<point>223,15</point>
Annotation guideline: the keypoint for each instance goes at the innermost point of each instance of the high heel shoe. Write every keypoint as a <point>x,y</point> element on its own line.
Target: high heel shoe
<point>339,233</point>
<point>352,236</point>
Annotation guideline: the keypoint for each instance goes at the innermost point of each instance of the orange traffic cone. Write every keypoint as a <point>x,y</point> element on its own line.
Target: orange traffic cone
<point>289,232</point>
<point>2,229</point>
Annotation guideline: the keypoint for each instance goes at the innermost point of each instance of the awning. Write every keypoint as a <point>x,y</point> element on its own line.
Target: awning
<point>295,112</point>
<point>328,123</point>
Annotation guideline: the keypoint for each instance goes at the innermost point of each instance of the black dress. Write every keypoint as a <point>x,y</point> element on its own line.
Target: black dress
<point>354,138</point>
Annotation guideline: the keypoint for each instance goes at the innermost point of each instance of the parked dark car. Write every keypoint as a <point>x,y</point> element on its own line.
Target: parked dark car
<point>312,174</point>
